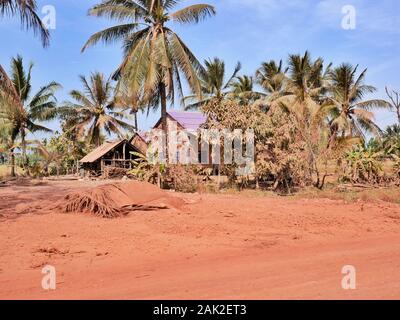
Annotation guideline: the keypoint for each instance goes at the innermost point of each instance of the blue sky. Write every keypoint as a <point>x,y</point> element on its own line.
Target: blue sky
<point>250,31</point>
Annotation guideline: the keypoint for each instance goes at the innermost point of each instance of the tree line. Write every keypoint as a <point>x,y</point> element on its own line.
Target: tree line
<point>307,114</point>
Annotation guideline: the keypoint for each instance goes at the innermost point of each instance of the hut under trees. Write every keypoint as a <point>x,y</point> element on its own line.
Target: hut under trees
<point>109,159</point>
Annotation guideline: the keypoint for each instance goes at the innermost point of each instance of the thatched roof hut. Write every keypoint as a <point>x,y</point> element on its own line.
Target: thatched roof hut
<point>112,154</point>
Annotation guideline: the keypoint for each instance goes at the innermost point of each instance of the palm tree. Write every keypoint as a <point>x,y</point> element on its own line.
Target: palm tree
<point>19,110</point>
<point>351,114</point>
<point>304,89</point>
<point>49,156</point>
<point>127,101</point>
<point>214,84</point>
<point>391,140</point>
<point>271,76</point>
<point>26,9</point>
<point>242,90</point>
<point>94,110</point>
<point>156,58</point>
<point>306,81</point>
<point>303,99</point>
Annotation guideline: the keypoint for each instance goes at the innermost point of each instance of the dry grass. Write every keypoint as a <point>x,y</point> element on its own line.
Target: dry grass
<point>5,171</point>
<point>390,194</point>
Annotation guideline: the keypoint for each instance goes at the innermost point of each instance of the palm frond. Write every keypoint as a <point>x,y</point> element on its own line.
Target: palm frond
<point>110,35</point>
<point>194,13</point>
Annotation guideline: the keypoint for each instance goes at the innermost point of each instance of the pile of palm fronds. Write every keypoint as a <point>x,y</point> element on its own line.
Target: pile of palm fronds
<point>97,202</point>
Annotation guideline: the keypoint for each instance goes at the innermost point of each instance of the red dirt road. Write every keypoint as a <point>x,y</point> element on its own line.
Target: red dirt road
<point>214,247</point>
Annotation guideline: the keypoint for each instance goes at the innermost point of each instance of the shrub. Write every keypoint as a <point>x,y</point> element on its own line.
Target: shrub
<point>182,178</point>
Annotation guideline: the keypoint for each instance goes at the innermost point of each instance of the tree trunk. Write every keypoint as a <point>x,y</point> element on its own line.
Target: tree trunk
<point>12,158</point>
<point>23,145</point>
<point>164,128</point>
<point>255,168</point>
<point>136,122</point>
<point>163,95</point>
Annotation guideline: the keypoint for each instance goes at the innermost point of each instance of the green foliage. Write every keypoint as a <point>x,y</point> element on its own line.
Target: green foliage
<point>155,58</point>
<point>143,170</point>
<point>351,113</point>
<point>391,140</point>
<point>21,112</point>
<point>94,111</point>
<point>396,166</point>
<point>214,83</point>
<point>364,165</point>
<point>27,11</point>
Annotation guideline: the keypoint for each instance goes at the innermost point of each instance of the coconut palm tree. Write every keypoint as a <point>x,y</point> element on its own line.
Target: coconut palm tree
<point>305,86</point>
<point>155,57</point>
<point>26,9</point>
<point>49,156</point>
<point>391,140</point>
<point>94,111</point>
<point>127,101</point>
<point>21,111</point>
<point>351,114</point>
<point>271,76</point>
<point>306,79</point>
<point>242,90</point>
<point>214,84</point>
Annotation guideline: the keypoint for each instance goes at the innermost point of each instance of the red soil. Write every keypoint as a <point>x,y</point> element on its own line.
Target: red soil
<point>116,199</point>
<point>201,247</point>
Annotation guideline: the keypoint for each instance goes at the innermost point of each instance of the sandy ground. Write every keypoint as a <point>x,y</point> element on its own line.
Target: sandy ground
<point>213,247</point>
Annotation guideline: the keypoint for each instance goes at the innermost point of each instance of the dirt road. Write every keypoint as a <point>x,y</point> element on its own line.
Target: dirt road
<point>214,247</point>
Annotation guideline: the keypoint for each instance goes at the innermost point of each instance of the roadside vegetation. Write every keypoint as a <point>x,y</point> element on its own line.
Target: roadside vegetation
<point>314,122</point>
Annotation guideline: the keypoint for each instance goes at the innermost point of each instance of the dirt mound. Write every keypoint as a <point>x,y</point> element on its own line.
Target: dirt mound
<point>117,199</point>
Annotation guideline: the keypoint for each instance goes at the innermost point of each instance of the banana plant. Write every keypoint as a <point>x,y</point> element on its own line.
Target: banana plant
<point>364,164</point>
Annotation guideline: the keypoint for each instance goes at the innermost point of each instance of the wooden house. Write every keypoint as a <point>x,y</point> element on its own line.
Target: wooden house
<point>110,155</point>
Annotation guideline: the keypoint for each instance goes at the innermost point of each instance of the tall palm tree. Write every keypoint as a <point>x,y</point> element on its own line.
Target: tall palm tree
<point>271,76</point>
<point>214,84</point>
<point>156,58</point>
<point>19,110</point>
<point>305,86</point>
<point>306,81</point>
<point>242,90</point>
<point>94,111</point>
<point>26,9</point>
<point>351,114</point>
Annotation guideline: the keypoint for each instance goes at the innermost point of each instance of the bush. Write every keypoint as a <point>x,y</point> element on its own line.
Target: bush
<point>182,178</point>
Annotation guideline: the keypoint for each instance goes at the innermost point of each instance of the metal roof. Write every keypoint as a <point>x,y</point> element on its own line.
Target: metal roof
<point>188,120</point>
